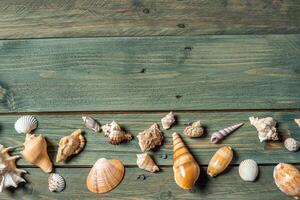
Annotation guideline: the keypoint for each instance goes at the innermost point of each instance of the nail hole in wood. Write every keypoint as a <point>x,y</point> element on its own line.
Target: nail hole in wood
<point>178,96</point>
<point>143,70</point>
<point>146,11</point>
<point>181,25</point>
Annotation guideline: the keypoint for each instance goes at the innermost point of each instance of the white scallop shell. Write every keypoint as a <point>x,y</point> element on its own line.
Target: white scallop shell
<point>248,170</point>
<point>56,183</point>
<point>26,124</point>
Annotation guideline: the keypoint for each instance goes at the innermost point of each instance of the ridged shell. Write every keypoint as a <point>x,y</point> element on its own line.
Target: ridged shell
<point>186,169</point>
<point>291,144</point>
<point>26,124</point>
<point>297,121</point>
<point>248,170</point>
<point>150,138</point>
<point>56,183</point>
<point>115,134</point>
<point>105,175</point>
<point>221,134</point>
<point>266,128</point>
<point>220,161</point>
<point>144,161</point>
<point>70,145</point>
<point>168,120</point>
<point>195,130</point>
<point>287,179</point>
<point>91,123</point>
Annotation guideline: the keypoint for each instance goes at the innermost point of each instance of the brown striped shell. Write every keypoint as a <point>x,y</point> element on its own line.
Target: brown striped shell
<point>220,161</point>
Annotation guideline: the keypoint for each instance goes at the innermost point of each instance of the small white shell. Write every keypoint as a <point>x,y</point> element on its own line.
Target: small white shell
<point>248,170</point>
<point>26,124</point>
<point>168,120</point>
<point>291,144</point>
<point>56,183</point>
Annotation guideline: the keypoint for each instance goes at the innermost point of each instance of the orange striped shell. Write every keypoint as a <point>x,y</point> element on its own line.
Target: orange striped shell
<point>220,161</point>
<point>287,179</point>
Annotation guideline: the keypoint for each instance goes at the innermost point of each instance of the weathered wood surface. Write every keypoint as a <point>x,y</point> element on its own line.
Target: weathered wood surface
<point>78,18</point>
<point>244,141</point>
<point>150,73</point>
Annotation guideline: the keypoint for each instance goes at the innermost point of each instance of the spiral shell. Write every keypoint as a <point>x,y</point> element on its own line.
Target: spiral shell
<point>195,130</point>
<point>248,170</point>
<point>220,161</point>
<point>221,134</point>
<point>56,183</point>
<point>91,123</point>
<point>150,138</point>
<point>144,161</point>
<point>291,144</point>
<point>168,120</point>
<point>115,134</point>
<point>266,128</point>
<point>26,124</point>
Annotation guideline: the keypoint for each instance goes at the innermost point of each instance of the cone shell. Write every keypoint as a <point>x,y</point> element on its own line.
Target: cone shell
<point>195,130</point>
<point>26,124</point>
<point>105,175</point>
<point>287,179</point>
<point>150,138</point>
<point>91,123</point>
<point>248,170</point>
<point>220,161</point>
<point>168,120</point>
<point>35,152</point>
<point>221,134</point>
<point>186,169</point>
<point>56,183</point>
<point>144,161</point>
<point>115,134</point>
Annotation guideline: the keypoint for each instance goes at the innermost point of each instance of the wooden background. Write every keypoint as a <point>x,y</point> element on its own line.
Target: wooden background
<point>220,61</point>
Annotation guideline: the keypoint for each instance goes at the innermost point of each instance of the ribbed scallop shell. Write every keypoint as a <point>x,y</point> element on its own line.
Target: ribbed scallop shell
<point>168,120</point>
<point>150,138</point>
<point>291,144</point>
<point>221,134</point>
<point>26,124</point>
<point>144,161</point>
<point>248,170</point>
<point>56,183</point>
<point>91,123</point>
<point>105,175</point>
<point>220,161</point>
<point>287,179</point>
<point>195,130</point>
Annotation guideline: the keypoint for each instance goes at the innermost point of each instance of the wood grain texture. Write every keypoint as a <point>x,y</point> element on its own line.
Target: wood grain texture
<point>245,141</point>
<point>150,73</point>
<point>160,186</point>
<point>80,18</point>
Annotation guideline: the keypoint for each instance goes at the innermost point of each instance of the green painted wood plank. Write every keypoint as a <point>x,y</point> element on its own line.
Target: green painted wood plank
<point>245,141</point>
<point>79,18</point>
<point>156,186</point>
<point>150,73</point>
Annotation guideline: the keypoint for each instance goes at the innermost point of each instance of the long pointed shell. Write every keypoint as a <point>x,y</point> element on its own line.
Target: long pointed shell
<point>221,134</point>
<point>144,161</point>
<point>56,183</point>
<point>105,175</point>
<point>266,128</point>
<point>287,179</point>
<point>186,169</point>
<point>26,124</point>
<point>150,138</point>
<point>91,123</point>
<point>115,134</point>
<point>220,161</point>
<point>248,170</point>
<point>297,121</point>
<point>70,145</point>
<point>168,120</point>
<point>194,130</point>
<point>35,152</point>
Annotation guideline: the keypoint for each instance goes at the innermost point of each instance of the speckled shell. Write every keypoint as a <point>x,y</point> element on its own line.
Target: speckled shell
<point>91,123</point>
<point>297,121</point>
<point>287,179</point>
<point>56,183</point>
<point>266,128</point>
<point>248,170</point>
<point>221,134</point>
<point>186,169</point>
<point>105,175</point>
<point>168,120</point>
<point>220,161</point>
<point>194,130</point>
<point>70,145</point>
<point>26,124</point>
<point>291,144</point>
<point>150,138</point>
<point>115,134</point>
<point>144,161</point>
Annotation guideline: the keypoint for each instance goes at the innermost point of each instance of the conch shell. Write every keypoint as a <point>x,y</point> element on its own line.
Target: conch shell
<point>26,124</point>
<point>115,134</point>
<point>150,138</point>
<point>105,175</point>
<point>168,120</point>
<point>186,169</point>
<point>291,144</point>
<point>69,145</point>
<point>91,123</point>
<point>194,130</point>
<point>221,134</point>
<point>35,152</point>
<point>10,175</point>
<point>265,127</point>
<point>144,161</point>
<point>220,161</point>
<point>287,179</point>
<point>297,121</point>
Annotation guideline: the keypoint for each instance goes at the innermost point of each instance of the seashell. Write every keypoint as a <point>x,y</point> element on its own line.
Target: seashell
<point>105,175</point>
<point>144,161</point>
<point>168,120</point>
<point>248,170</point>
<point>221,134</point>
<point>195,130</point>
<point>287,179</point>
<point>56,183</point>
<point>220,161</point>
<point>26,124</point>
<point>35,152</point>
<point>297,121</point>
<point>291,144</point>
<point>186,169</point>
<point>91,123</point>
<point>70,145</point>
<point>115,134</point>
<point>150,138</point>
<point>10,175</point>
<point>265,127</point>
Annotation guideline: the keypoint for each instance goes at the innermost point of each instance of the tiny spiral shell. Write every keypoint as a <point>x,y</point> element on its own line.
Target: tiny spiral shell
<point>221,134</point>
<point>56,183</point>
